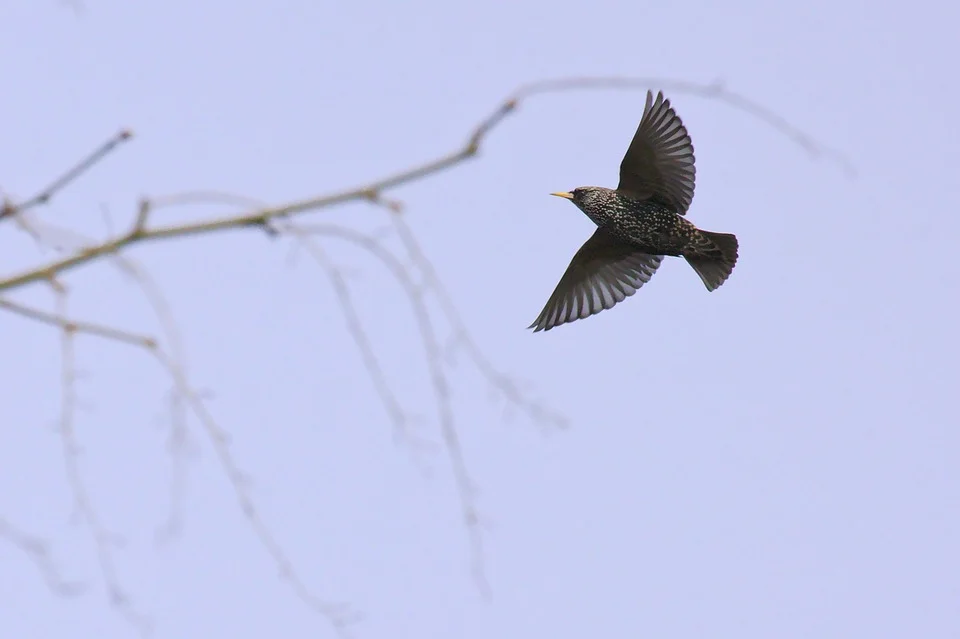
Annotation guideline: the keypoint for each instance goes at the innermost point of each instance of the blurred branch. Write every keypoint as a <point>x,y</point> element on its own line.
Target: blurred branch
<point>103,540</point>
<point>259,218</point>
<point>535,411</point>
<point>713,91</point>
<point>338,614</point>
<point>431,345</point>
<point>36,549</point>
<point>71,326</point>
<point>256,219</point>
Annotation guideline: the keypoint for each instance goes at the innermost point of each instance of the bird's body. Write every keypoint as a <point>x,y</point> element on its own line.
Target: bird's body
<point>639,223</point>
<point>650,225</point>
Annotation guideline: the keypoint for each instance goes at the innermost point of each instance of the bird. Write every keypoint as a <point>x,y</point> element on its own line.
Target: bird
<point>638,224</point>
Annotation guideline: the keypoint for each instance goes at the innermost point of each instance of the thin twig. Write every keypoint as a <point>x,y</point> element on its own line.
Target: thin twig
<point>36,549</point>
<point>536,411</point>
<point>72,326</point>
<point>339,615</point>
<point>161,308</point>
<point>371,362</point>
<point>464,484</point>
<point>71,453</point>
<point>714,91</point>
<point>260,218</point>
<point>64,180</point>
<point>177,448</point>
<point>355,327</point>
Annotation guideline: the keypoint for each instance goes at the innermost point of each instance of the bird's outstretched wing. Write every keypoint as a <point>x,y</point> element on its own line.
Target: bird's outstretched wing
<point>604,272</point>
<point>660,159</point>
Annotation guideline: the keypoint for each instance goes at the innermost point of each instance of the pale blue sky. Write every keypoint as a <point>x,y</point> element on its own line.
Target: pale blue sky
<point>774,459</point>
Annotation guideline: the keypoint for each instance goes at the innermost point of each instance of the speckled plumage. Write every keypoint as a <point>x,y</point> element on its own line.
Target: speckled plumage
<point>639,223</point>
<point>648,224</point>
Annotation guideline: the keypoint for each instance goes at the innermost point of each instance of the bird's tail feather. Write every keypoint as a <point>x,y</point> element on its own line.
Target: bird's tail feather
<point>715,256</point>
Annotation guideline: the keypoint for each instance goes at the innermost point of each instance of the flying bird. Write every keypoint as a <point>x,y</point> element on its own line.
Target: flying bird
<point>639,223</point>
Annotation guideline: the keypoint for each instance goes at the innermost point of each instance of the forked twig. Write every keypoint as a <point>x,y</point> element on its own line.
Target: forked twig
<point>428,335</point>
<point>260,218</point>
<point>8,209</point>
<point>71,459</point>
<point>36,549</point>
<point>339,615</point>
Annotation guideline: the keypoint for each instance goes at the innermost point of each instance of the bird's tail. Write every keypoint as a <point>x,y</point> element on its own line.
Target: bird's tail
<point>713,257</point>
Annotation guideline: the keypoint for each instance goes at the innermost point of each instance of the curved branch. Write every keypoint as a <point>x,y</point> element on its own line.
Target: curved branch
<point>261,217</point>
<point>264,218</point>
<point>715,90</point>
<point>432,351</point>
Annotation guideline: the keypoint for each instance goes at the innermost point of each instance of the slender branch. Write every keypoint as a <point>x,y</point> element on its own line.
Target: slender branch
<point>255,219</point>
<point>715,91</point>
<point>178,447</point>
<point>536,411</point>
<point>266,218</point>
<point>36,549</point>
<point>71,453</point>
<point>396,413</point>
<point>259,218</point>
<point>464,484</point>
<point>71,326</point>
<point>7,209</point>
<point>355,327</point>
<point>339,615</point>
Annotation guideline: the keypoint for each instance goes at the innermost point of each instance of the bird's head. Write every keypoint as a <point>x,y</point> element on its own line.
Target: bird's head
<point>582,195</point>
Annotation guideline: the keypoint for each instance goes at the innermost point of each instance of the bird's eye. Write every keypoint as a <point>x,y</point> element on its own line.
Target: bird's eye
<point>575,193</point>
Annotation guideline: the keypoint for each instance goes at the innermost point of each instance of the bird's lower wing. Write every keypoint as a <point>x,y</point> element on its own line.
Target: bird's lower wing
<point>604,272</point>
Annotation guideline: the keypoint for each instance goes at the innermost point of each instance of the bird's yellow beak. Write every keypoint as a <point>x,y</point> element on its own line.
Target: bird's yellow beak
<point>569,196</point>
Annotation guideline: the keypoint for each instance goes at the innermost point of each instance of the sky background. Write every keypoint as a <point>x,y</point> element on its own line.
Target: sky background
<point>774,459</point>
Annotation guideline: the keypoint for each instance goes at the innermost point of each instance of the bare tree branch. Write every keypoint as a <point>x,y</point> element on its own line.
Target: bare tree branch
<point>103,540</point>
<point>536,411</point>
<point>177,448</point>
<point>275,220</point>
<point>714,91</point>
<point>339,615</point>
<point>7,209</point>
<point>259,218</point>
<point>36,549</point>
<point>431,345</point>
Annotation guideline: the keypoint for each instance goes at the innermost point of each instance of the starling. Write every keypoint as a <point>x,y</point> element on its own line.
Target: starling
<point>638,223</point>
